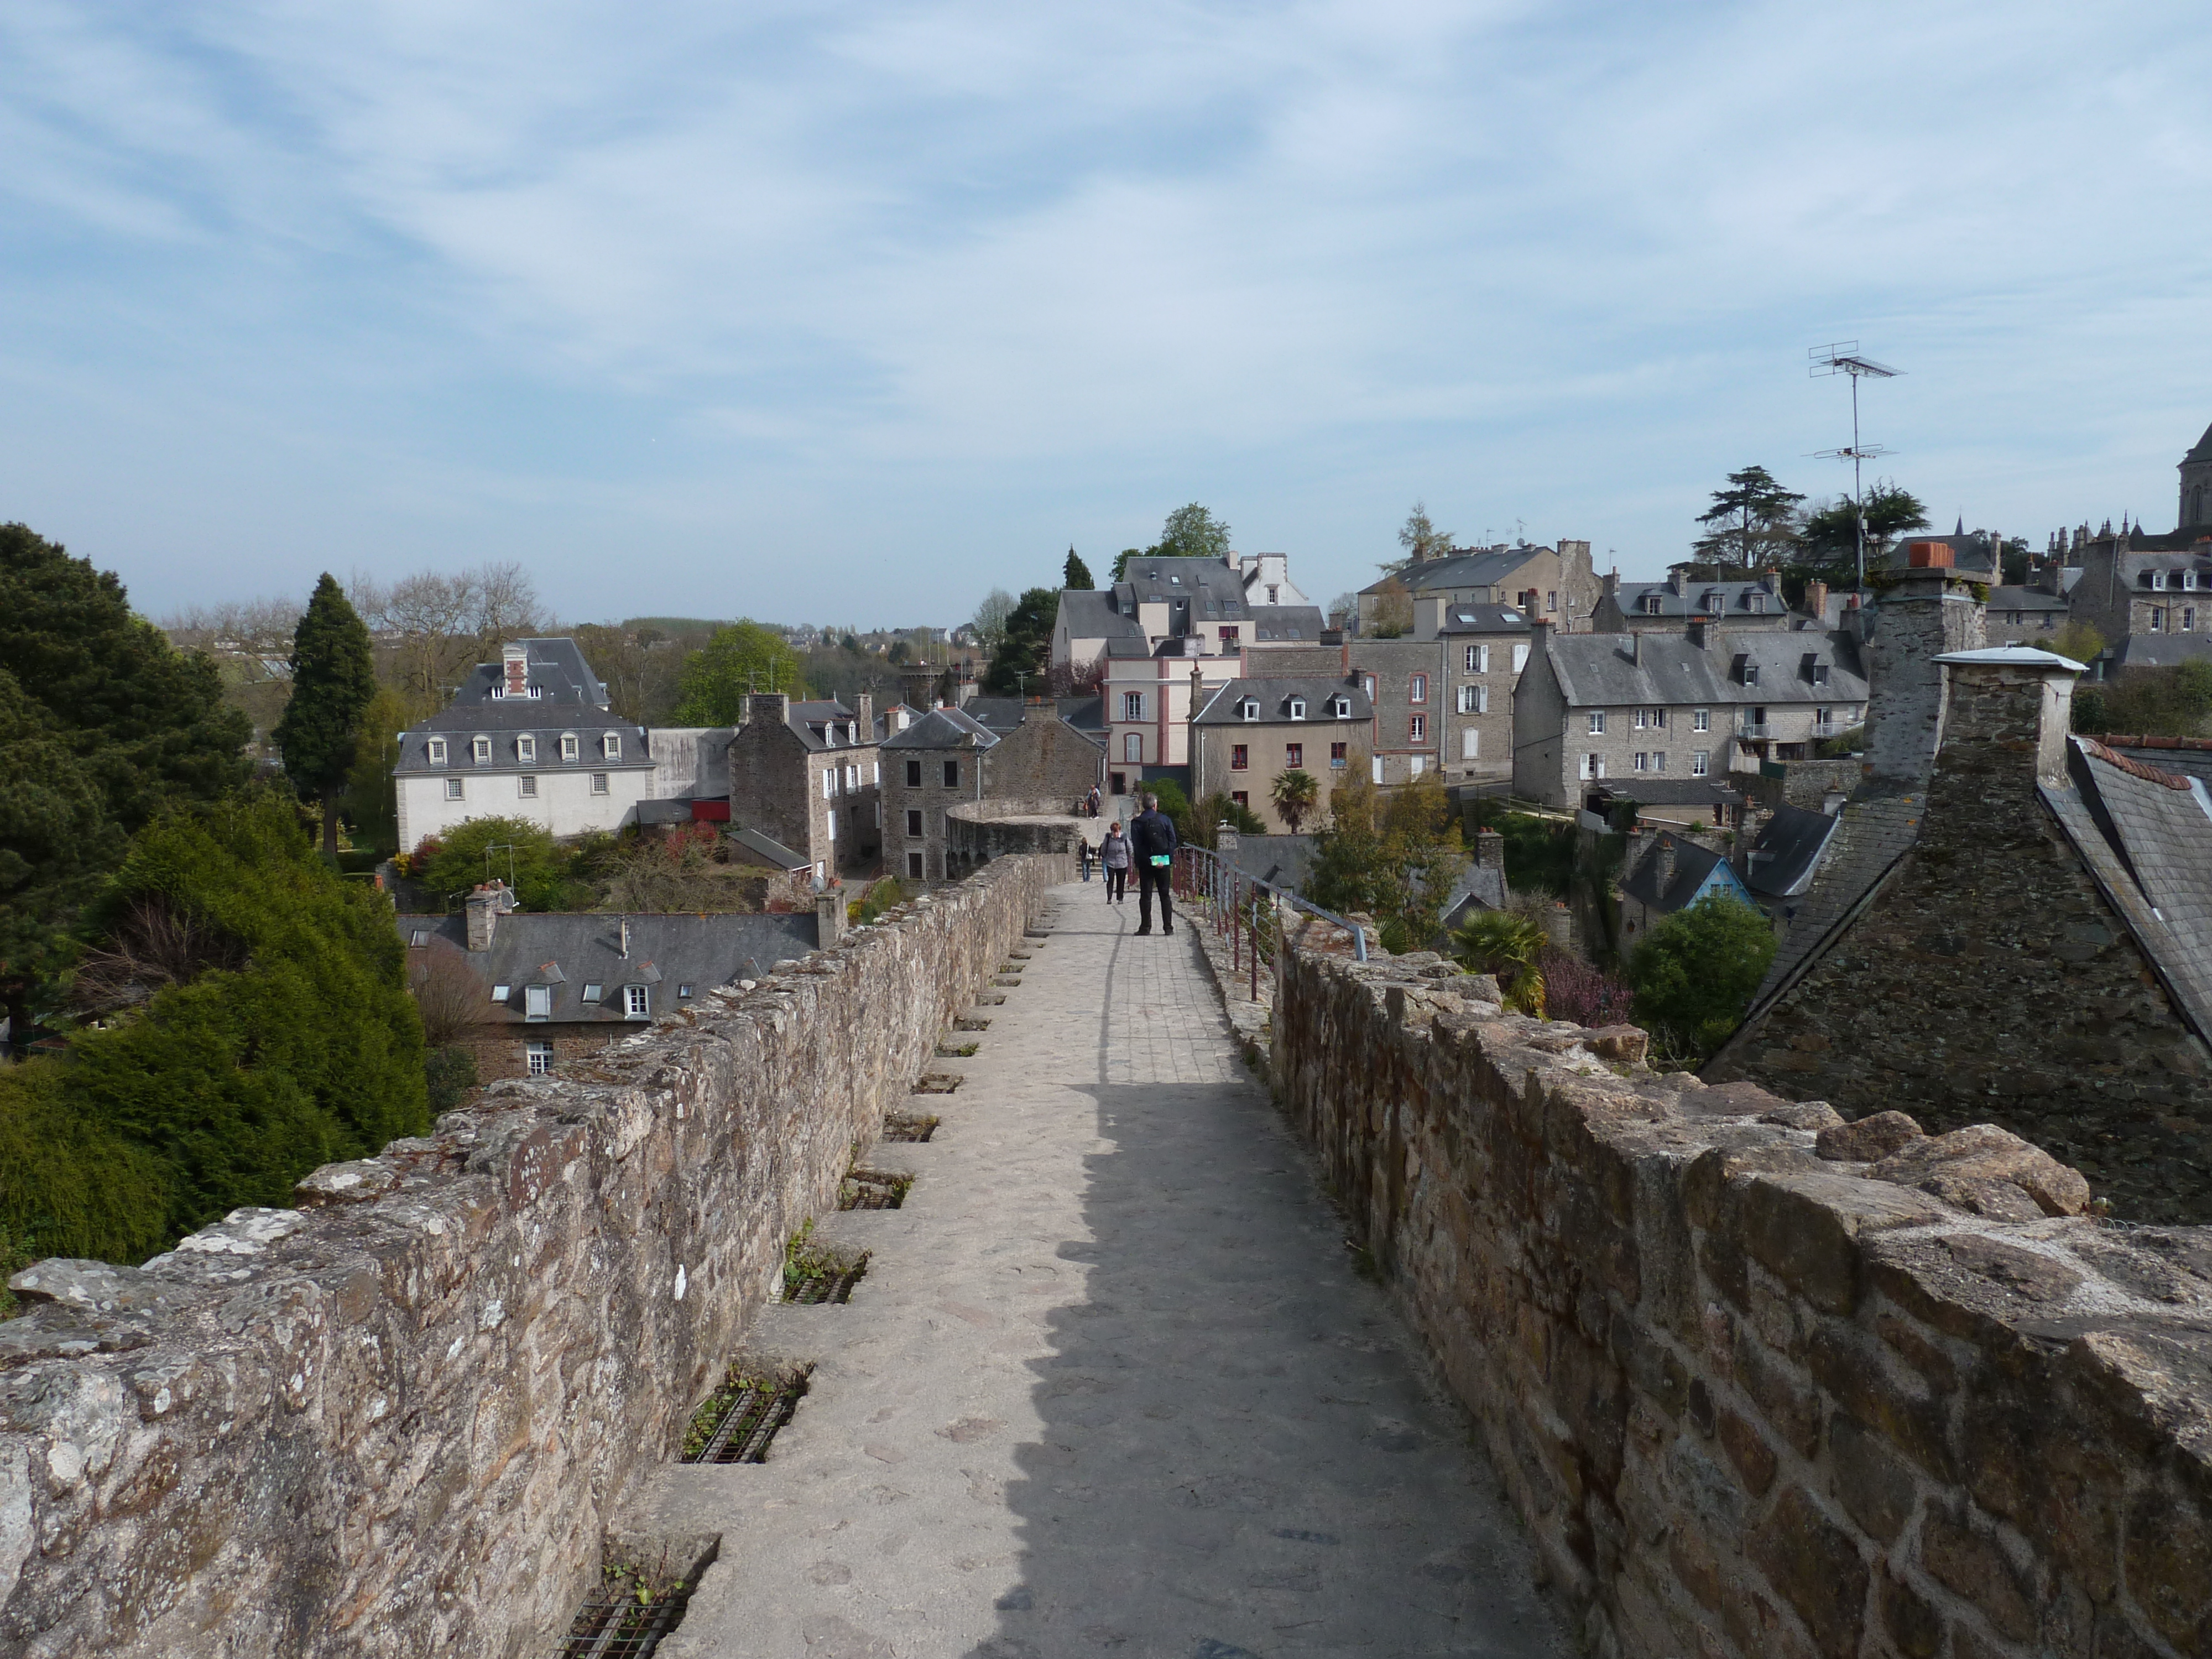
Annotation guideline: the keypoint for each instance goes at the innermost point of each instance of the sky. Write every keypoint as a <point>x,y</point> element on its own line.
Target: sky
<point>850,313</point>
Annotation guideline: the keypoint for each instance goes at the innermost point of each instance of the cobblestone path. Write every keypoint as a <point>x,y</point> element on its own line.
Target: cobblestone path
<point>1110,1385</point>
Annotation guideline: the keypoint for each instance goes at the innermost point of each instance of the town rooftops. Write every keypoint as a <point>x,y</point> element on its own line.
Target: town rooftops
<point>2038,599</point>
<point>1194,590</point>
<point>2165,650</point>
<point>769,850</point>
<point>825,723</point>
<point>569,955</point>
<point>1665,884</point>
<point>1088,615</point>
<point>1614,670</point>
<point>1787,852</point>
<point>945,728</point>
<point>1278,700</point>
<point>1679,597</point>
<point>521,735</point>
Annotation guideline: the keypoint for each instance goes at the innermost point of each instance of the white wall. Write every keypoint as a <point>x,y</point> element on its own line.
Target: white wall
<point>689,761</point>
<point>564,804</point>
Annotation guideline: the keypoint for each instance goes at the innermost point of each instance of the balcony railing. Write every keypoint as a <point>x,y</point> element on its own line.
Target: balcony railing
<point>1830,728</point>
<point>1753,729</point>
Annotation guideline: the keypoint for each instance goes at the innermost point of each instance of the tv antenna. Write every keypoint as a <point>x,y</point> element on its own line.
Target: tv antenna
<point>1842,357</point>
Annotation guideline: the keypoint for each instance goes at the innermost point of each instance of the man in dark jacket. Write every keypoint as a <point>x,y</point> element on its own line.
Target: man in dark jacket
<point>1152,840</point>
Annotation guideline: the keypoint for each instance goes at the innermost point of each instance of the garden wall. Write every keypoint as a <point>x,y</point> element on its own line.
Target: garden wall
<point>393,1421</point>
<point>1763,1383</point>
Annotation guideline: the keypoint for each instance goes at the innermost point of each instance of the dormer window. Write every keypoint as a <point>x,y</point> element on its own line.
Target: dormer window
<point>1340,708</point>
<point>2158,582</point>
<point>1177,580</point>
<point>611,745</point>
<point>435,751</point>
<point>1247,710</point>
<point>1298,708</point>
<point>637,1001</point>
<point>525,751</point>
<point>2189,580</point>
<point>480,750</point>
<point>1747,670</point>
<point>1755,601</point>
<point>1651,605</point>
<point>594,990</point>
<point>571,749</point>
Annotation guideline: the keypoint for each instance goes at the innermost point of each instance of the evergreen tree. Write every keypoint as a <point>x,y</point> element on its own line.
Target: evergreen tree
<point>1421,539</point>
<point>1077,574</point>
<point>1828,546</point>
<point>1025,649</point>
<point>333,683</point>
<point>1752,522</point>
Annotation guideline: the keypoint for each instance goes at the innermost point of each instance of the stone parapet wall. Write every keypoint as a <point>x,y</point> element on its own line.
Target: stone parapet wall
<point>1763,1383</point>
<point>394,1422</point>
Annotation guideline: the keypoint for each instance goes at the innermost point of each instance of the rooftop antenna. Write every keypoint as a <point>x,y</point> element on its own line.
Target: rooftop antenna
<point>1842,357</point>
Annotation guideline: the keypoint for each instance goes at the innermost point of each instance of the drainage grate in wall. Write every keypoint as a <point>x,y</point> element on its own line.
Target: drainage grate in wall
<point>868,1189</point>
<point>900,1126</point>
<point>958,1050</point>
<point>810,1285</point>
<point>1004,979</point>
<point>936,1083</point>
<point>739,1420</point>
<point>971,1022</point>
<point>616,1624</point>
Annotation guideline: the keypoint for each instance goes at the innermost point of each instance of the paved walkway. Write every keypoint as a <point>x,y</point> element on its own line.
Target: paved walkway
<point>1110,1385</point>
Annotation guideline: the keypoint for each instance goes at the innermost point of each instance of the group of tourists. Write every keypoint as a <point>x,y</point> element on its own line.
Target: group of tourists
<point>1149,847</point>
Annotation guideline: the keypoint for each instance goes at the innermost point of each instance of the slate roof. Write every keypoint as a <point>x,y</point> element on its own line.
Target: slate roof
<point>1693,863</point>
<point>2136,569</point>
<point>2023,598</point>
<point>1287,624</point>
<point>511,717</point>
<point>945,728</point>
<point>1787,851</point>
<point>1971,551</point>
<point>1479,618</point>
<point>569,950</point>
<point>2202,451</point>
<point>1274,697</point>
<point>1487,568</point>
<point>1089,614</point>
<point>1608,671</point>
<point>1726,600</point>
<point>1284,861</point>
<point>1875,830</point>
<point>769,850</point>
<point>1086,714</point>
<point>1212,592</point>
<point>820,725</point>
<point>1473,887</point>
<point>557,673</point>
<point>2146,835</point>
<point>2155,650</point>
<point>1651,791</point>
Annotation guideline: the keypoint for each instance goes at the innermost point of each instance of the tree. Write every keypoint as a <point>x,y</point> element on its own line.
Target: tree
<point>333,679</point>
<point>1696,971</point>
<point>1343,610</point>
<point>1076,575</point>
<point>370,805</point>
<point>1421,539</point>
<point>638,667</point>
<point>1024,648</point>
<point>1828,544</point>
<point>510,849</point>
<point>1122,561</point>
<point>1295,794</point>
<point>1192,533</point>
<point>2162,702</point>
<point>1209,812</point>
<point>743,657</point>
<point>1393,614</point>
<point>1392,858</point>
<point>1752,522</point>
<point>441,623</point>
<point>990,619</point>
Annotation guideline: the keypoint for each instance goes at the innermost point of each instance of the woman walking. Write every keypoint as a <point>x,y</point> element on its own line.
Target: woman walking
<point>1113,854</point>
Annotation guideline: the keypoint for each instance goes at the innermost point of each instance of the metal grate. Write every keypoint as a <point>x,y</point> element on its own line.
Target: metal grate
<point>615,1624</point>
<point>813,1285</point>
<point>899,1126</point>
<point>866,1190</point>
<point>740,1418</point>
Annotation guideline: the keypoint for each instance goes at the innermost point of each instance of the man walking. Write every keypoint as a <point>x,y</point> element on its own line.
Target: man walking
<point>1152,840</point>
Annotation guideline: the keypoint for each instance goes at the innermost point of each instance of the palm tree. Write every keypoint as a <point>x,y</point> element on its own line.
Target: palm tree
<point>1295,795</point>
<point>1507,946</point>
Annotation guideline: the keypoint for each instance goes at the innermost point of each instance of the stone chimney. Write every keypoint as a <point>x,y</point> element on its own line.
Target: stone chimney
<point>1636,648</point>
<point>2008,712</point>
<point>515,669</point>
<point>1816,599</point>
<point>1676,582</point>
<point>828,917</point>
<point>485,906</point>
<point>1662,852</point>
<point>1489,850</point>
<point>864,711</point>
<point>1930,612</point>
<point>772,706</point>
<point>1700,633</point>
<point>1226,840</point>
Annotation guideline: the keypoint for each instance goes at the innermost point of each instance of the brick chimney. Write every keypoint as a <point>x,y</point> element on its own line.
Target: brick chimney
<point>1816,599</point>
<point>515,669</point>
<point>1928,555</point>
<point>2008,712</point>
<point>1931,611</point>
<point>485,906</point>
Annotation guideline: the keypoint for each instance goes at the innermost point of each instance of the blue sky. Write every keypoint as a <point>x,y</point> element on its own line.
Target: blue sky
<point>851,312</point>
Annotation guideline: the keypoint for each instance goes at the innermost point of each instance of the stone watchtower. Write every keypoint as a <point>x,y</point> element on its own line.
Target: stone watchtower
<point>2196,486</point>
<point>1931,612</point>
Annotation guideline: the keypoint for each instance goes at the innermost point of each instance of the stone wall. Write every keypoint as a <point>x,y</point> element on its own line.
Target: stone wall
<point>1763,1383</point>
<point>394,1421</point>
<point>983,831</point>
<point>1043,758</point>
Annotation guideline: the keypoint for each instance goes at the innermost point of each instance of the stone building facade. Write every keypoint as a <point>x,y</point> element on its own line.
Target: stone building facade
<point>809,777</point>
<point>1251,732</point>
<point>1486,647</point>
<point>1406,687</point>
<point>933,766</point>
<point>1556,585</point>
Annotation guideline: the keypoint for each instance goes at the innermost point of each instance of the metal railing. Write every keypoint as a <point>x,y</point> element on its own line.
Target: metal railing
<point>1236,909</point>
<point>1752,729</point>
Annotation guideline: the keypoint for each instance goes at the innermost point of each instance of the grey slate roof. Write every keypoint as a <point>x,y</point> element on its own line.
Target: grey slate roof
<point>1274,697</point>
<point>1693,863</point>
<point>1086,714</point>
<point>2146,837</point>
<point>1725,600</point>
<point>2203,451</point>
<point>1473,618</point>
<point>769,850</point>
<point>1284,861</point>
<point>1873,830</point>
<point>570,950</point>
<point>1787,851</point>
<point>821,725</point>
<point>558,673</point>
<point>1089,614</point>
<point>1287,624</point>
<point>1487,568</point>
<point>2033,600</point>
<point>2155,650</point>
<point>512,718</point>
<point>1610,671</point>
<point>1210,590</point>
<point>1647,790</point>
<point>1474,888</point>
<point>945,728</point>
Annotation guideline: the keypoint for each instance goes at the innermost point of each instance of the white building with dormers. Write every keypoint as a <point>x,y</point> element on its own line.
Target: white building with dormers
<point>532,737</point>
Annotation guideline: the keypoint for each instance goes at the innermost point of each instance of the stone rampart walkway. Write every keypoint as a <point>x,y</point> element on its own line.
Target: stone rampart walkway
<point>1110,1385</point>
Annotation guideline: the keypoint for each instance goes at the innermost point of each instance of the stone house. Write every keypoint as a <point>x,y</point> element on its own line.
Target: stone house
<point>1250,732</point>
<point>1485,647</point>
<point>1666,873</point>
<point>807,775</point>
<point>1556,585</point>
<point>2033,947</point>
<point>1221,601</point>
<point>556,986</point>
<point>950,757</point>
<point>1693,705</point>
<point>2127,589</point>
<point>1405,686</point>
<point>531,736</point>
<point>1666,606</point>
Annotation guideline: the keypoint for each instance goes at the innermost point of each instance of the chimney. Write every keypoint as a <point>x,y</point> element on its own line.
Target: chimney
<point>1611,581</point>
<point>1816,599</point>
<point>863,710</point>
<point>2007,713</point>
<point>1928,555</point>
<point>514,666</point>
<point>1226,840</point>
<point>1489,850</point>
<point>1662,850</point>
<point>1930,611</point>
<point>622,949</point>
<point>828,917</point>
<point>485,906</point>
<point>1676,582</point>
<point>773,706</point>
<point>1636,648</point>
<point>1700,633</point>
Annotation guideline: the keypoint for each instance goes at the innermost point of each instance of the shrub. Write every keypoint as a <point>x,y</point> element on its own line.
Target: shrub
<point>1696,971</point>
<point>448,1074</point>
<point>1510,946</point>
<point>1575,990</point>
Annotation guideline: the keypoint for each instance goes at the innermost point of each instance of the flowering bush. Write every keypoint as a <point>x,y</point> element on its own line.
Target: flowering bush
<point>1575,990</point>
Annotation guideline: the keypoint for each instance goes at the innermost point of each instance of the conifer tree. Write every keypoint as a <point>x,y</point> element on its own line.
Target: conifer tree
<point>1076,574</point>
<point>333,681</point>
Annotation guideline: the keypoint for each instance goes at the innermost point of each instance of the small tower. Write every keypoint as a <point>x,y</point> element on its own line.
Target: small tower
<point>2196,486</point>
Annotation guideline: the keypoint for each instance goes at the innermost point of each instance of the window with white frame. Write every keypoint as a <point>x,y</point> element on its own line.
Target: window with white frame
<point>525,751</point>
<point>1367,684</point>
<point>480,750</point>
<point>1651,605</point>
<point>1340,708</point>
<point>610,746</point>
<point>637,1001</point>
<point>1133,748</point>
<point>537,1058</point>
<point>1641,719</point>
<point>2189,580</point>
<point>1597,722</point>
<point>1133,705</point>
<point>452,789</point>
<point>501,993</point>
<point>1470,699</point>
<point>1640,763</point>
<point>598,783</point>
<point>1298,708</point>
<point>1248,710</point>
<point>1470,744</point>
<point>1659,760</point>
<point>527,786</point>
<point>571,747</point>
<point>1477,660</point>
<point>1700,763</point>
<point>829,783</point>
<point>436,752</point>
<point>1701,719</point>
<point>1417,729</point>
<point>833,823</point>
<point>2158,582</point>
<point>2189,619</point>
<point>594,990</point>
<point>537,1002</point>
<point>876,772</point>
<point>2157,619</point>
<point>1416,688</point>
<point>1519,658</point>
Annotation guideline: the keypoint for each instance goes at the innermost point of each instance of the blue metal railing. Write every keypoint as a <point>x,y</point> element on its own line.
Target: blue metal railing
<point>1232,897</point>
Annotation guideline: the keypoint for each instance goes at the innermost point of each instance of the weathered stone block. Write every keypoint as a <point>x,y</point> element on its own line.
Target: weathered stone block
<point>1869,1139</point>
<point>1816,1566</point>
<point>1969,1562</point>
<point>1805,1229</point>
<point>1872,1483</point>
<point>1990,1153</point>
